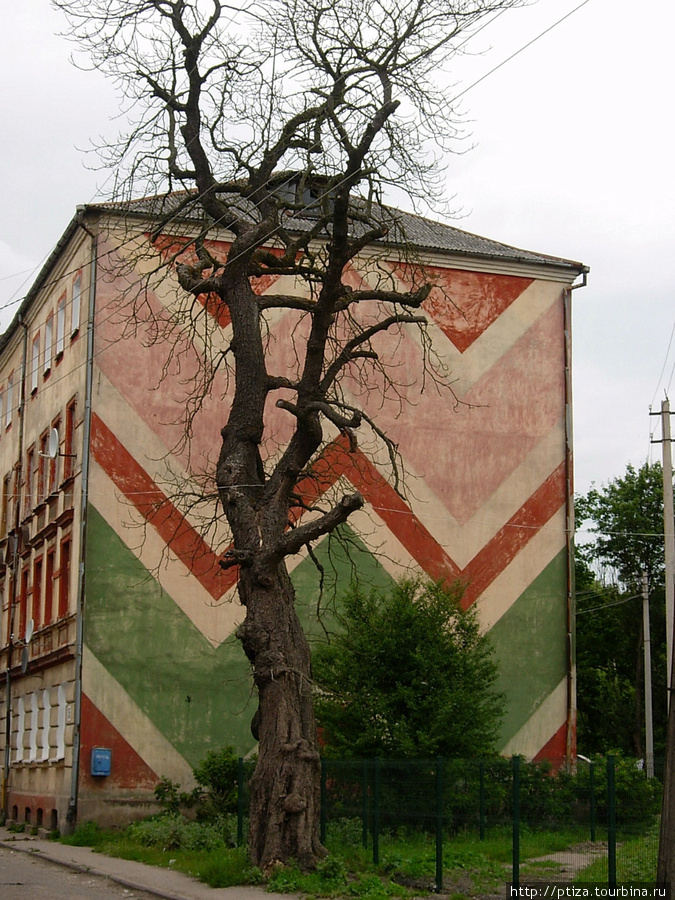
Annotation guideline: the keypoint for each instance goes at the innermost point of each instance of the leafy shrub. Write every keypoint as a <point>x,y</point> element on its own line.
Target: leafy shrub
<point>217,774</point>
<point>174,832</point>
<point>170,797</point>
<point>637,797</point>
<point>217,777</point>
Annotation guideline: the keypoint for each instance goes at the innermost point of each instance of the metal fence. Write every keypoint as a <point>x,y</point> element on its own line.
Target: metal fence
<point>605,810</point>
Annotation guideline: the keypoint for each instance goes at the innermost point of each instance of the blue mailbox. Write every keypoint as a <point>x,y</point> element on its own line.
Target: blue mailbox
<point>101,761</point>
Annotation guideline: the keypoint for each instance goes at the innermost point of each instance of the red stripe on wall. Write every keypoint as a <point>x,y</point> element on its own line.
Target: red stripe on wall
<point>488,563</point>
<point>464,304</point>
<point>155,507</point>
<point>336,462</point>
<point>128,770</point>
<point>514,535</point>
<point>556,747</point>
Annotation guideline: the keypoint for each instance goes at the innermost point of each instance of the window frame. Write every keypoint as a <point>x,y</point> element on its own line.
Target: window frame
<point>49,345</point>
<point>76,305</point>
<point>60,341</point>
<point>35,363</point>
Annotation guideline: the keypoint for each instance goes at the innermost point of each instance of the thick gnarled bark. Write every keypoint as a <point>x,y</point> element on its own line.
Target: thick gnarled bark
<point>285,788</point>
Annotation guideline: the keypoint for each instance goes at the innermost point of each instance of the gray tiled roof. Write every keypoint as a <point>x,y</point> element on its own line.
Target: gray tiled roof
<point>404,227</point>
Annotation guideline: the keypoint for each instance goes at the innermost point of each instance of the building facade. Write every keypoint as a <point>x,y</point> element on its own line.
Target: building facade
<point>118,652</point>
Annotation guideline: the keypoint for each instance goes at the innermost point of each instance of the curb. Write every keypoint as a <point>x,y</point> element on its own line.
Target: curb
<point>15,844</point>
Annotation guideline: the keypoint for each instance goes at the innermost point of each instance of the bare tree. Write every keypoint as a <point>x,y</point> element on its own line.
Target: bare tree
<point>285,124</point>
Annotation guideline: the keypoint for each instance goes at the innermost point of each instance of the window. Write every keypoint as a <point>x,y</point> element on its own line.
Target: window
<point>35,364</point>
<point>68,459</point>
<point>6,503</point>
<point>46,710</point>
<point>4,637</point>
<point>61,723</point>
<point>10,400</point>
<point>23,603</point>
<point>30,466</point>
<point>42,468</point>
<point>64,578</point>
<point>9,587</point>
<point>54,463</point>
<point>60,326</point>
<point>49,340</point>
<point>49,586</point>
<point>37,590</point>
<point>75,309</point>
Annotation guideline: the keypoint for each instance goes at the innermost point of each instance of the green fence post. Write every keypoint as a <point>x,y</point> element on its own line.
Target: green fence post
<point>439,824</point>
<point>376,812</point>
<point>240,801</point>
<point>591,775</point>
<point>515,874</point>
<point>481,799</point>
<point>611,823</point>
<point>323,801</point>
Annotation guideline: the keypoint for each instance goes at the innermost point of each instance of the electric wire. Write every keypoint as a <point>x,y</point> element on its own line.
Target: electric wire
<point>130,213</point>
<point>581,612</point>
<point>298,213</point>
<point>663,368</point>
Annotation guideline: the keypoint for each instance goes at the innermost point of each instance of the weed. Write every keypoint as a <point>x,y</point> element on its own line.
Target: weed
<point>88,834</point>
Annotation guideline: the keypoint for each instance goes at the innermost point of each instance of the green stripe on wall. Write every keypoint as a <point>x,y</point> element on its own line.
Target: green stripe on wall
<point>530,641</point>
<point>152,649</point>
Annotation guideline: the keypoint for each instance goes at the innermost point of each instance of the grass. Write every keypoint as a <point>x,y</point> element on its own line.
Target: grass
<point>172,843</point>
<point>636,859</point>
<point>406,864</point>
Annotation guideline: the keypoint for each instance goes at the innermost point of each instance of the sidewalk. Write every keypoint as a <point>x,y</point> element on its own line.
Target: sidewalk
<point>161,882</point>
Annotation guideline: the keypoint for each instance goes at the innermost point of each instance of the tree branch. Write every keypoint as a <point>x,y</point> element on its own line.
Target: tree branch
<point>293,541</point>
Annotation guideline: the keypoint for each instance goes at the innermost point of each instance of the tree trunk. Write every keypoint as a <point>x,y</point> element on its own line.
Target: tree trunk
<point>285,788</point>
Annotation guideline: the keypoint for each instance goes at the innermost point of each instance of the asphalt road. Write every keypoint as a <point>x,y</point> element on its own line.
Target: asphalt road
<point>24,876</point>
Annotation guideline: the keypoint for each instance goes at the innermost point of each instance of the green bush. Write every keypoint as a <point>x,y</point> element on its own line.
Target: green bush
<point>172,800</point>
<point>174,832</point>
<point>217,775</point>
<point>638,798</point>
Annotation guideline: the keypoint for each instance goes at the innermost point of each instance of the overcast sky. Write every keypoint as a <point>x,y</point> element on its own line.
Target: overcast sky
<point>573,156</point>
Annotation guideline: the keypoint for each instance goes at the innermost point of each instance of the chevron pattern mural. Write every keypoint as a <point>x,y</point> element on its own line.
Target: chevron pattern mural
<point>483,446</point>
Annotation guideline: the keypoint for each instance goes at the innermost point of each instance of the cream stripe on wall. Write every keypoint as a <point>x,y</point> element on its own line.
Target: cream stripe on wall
<point>133,725</point>
<point>216,621</point>
<point>464,541</point>
<point>541,726</point>
<point>519,574</point>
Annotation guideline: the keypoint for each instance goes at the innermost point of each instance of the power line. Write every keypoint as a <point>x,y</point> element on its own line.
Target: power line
<point>581,612</point>
<point>298,213</point>
<point>523,48</point>
<point>663,367</point>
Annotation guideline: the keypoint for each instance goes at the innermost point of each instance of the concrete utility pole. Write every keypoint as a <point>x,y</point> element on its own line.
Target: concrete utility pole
<point>668,533</point>
<point>647,645</point>
<point>665,870</point>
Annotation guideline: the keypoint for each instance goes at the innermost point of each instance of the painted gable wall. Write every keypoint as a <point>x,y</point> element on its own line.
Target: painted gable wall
<point>485,459</point>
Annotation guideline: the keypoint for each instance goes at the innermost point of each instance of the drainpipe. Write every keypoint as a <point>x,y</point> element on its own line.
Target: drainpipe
<point>15,575</point>
<point>71,816</point>
<point>571,731</point>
